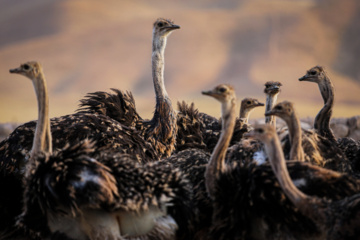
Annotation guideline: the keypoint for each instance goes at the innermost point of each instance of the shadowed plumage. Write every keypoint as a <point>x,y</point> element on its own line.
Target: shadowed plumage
<point>72,194</point>
<point>161,130</point>
<point>132,201</point>
<point>190,128</point>
<point>247,200</point>
<point>334,219</point>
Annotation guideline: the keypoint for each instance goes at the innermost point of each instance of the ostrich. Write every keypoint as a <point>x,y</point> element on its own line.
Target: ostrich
<point>334,219</point>
<point>65,130</point>
<point>247,202</point>
<point>72,194</point>
<point>308,145</point>
<point>272,90</point>
<point>249,150</point>
<point>349,146</point>
<point>161,130</point>
<point>247,106</point>
<point>322,119</point>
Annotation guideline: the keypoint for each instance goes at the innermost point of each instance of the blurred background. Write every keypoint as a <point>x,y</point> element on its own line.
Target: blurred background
<point>90,45</point>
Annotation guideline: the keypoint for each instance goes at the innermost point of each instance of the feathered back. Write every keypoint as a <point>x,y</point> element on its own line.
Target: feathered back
<point>190,129</point>
<point>119,106</point>
<point>259,196</point>
<point>64,183</point>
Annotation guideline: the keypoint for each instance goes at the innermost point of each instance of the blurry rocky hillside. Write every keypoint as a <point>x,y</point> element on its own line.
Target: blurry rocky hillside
<point>90,45</point>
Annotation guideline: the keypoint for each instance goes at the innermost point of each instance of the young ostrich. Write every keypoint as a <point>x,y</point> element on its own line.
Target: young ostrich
<point>161,130</point>
<point>249,150</point>
<point>308,145</point>
<point>349,146</point>
<point>334,219</point>
<point>272,90</point>
<point>66,130</point>
<point>70,194</point>
<point>247,200</point>
<point>247,106</point>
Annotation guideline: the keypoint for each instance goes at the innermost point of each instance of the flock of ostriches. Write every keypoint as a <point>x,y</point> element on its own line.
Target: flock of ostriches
<point>106,173</point>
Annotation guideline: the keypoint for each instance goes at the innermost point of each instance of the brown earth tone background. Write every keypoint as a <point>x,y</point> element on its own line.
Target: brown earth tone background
<point>90,45</point>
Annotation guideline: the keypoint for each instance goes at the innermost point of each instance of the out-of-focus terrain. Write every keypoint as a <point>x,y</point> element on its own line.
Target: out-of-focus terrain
<point>89,45</point>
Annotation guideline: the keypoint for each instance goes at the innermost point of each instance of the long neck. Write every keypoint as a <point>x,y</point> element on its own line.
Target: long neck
<point>270,103</point>
<point>163,128</point>
<point>278,164</point>
<point>217,160</point>
<point>309,206</point>
<point>296,152</point>
<point>322,119</point>
<point>42,138</point>
<point>245,113</point>
<point>158,62</point>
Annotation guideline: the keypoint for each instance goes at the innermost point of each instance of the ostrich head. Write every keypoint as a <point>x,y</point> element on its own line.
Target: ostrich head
<point>31,70</point>
<point>223,93</point>
<point>283,110</point>
<point>250,103</point>
<point>163,27</point>
<point>316,74</point>
<point>262,132</point>
<point>272,88</point>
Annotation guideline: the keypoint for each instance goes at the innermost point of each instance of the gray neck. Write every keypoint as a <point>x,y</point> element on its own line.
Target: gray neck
<point>163,127</point>
<point>270,103</point>
<point>217,160</point>
<point>322,119</point>
<point>296,152</point>
<point>158,62</point>
<point>42,138</point>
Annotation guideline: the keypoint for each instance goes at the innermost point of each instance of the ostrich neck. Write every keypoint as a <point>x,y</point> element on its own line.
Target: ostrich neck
<point>310,206</point>
<point>42,138</point>
<point>296,151</point>
<point>278,164</point>
<point>217,160</point>
<point>270,103</point>
<point>245,113</point>
<point>163,128</point>
<point>322,119</point>
<point>158,62</point>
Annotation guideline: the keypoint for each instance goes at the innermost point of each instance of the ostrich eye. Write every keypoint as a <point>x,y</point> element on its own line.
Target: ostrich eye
<point>248,102</point>
<point>222,89</point>
<point>278,107</point>
<point>260,130</point>
<point>160,24</point>
<point>26,67</point>
<point>312,72</point>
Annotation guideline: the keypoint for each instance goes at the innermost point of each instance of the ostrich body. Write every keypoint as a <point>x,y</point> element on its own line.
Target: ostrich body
<point>349,146</point>
<point>247,200</point>
<point>160,131</point>
<point>72,194</point>
<point>335,219</point>
<point>65,130</point>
